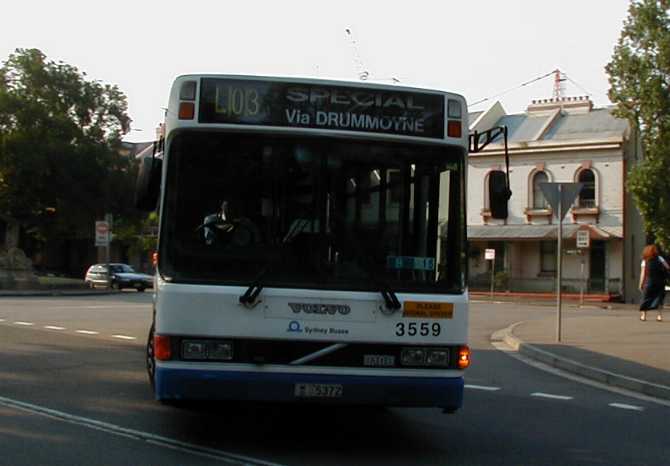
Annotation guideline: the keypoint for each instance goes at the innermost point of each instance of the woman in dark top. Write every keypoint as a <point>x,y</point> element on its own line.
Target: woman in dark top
<point>652,281</point>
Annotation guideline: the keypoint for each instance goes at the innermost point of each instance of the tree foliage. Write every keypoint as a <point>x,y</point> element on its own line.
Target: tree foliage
<point>60,134</point>
<point>639,76</point>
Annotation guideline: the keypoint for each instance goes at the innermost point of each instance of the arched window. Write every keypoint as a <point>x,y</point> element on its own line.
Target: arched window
<point>539,201</point>
<point>587,196</point>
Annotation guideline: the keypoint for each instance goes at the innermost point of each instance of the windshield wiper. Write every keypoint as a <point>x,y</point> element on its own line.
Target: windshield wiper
<point>390,298</point>
<point>249,296</point>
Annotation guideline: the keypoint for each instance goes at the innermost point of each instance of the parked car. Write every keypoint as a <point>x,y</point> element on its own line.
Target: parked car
<point>122,276</point>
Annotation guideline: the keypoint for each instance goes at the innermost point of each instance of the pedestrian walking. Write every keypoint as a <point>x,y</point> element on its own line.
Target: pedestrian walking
<point>652,281</point>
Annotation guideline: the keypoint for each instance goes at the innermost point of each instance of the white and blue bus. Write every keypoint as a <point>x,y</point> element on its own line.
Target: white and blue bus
<point>312,243</point>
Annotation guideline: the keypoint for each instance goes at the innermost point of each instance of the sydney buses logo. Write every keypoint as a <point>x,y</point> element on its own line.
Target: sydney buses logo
<point>324,309</point>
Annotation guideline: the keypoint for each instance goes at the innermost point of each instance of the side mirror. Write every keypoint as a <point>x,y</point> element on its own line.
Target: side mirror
<point>148,184</point>
<point>499,194</point>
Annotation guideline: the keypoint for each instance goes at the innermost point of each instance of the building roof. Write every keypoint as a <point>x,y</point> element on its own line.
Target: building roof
<point>551,122</point>
<point>599,123</point>
<point>472,116</point>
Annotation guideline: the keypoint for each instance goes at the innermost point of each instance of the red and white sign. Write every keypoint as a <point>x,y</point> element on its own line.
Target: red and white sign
<point>489,254</point>
<point>101,233</point>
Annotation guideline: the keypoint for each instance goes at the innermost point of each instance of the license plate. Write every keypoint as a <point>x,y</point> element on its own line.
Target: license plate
<point>318,390</point>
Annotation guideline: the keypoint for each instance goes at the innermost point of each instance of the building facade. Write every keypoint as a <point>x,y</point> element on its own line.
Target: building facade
<point>557,140</point>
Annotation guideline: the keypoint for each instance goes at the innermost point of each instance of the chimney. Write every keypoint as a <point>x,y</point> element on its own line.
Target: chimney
<point>570,105</point>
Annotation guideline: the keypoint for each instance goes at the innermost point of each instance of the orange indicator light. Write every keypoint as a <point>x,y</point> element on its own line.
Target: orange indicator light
<point>454,128</point>
<point>186,110</point>
<point>463,357</point>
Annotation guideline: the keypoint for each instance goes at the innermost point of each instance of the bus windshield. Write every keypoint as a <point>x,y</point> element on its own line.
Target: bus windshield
<point>313,212</point>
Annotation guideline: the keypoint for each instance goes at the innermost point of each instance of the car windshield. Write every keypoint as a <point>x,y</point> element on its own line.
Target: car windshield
<point>121,268</point>
<point>313,213</point>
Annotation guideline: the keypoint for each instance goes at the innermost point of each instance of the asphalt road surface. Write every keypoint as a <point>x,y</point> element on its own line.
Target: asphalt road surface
<point>73,390</point>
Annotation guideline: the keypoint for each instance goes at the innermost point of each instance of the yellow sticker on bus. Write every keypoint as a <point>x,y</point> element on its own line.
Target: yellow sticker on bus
<point>428,310</point>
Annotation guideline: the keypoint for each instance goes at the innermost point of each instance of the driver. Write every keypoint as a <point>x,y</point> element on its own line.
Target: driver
<point>240,230</point>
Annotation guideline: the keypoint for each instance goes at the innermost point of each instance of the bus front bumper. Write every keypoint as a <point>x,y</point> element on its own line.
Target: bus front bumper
<point>189,384</point>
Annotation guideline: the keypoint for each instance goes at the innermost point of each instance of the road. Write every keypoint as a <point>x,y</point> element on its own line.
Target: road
<point>73,390</point>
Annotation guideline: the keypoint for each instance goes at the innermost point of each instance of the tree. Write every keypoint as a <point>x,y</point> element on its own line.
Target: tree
<point>60,135</point>
<point>639,76</point>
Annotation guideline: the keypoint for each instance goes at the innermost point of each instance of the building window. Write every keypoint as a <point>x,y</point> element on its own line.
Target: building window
<point>539,201</point>
<point>587,196</point>
<point>548,257</point>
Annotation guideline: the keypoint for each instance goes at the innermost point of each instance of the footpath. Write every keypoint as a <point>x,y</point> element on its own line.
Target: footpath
<point>608,344</point>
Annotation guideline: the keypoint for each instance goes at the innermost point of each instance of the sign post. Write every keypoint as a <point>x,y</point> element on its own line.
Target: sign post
<point>108,220</point>
<point>560,197</point>
<point>101,233</point>
<point>490,255</point>
<point>583,242</point>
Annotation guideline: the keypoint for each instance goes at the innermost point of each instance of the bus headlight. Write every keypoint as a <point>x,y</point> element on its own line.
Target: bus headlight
<point>206,349</point>
<point>433,357</point>
<point>413,357</point>
<point>193,349</point>
<point>437,357</point>
<point>222,351</point>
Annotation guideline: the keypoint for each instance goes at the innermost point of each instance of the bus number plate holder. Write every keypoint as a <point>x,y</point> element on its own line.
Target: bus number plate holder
<point>318,390</point>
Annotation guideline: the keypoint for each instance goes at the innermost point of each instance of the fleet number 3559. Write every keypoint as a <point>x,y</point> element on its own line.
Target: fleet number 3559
<point>415,328</point>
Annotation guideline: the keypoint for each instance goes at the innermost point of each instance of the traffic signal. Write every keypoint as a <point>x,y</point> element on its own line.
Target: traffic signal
<point>499,194</point>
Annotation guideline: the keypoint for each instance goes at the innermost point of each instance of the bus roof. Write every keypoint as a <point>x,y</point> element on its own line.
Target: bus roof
<point>333,107</point>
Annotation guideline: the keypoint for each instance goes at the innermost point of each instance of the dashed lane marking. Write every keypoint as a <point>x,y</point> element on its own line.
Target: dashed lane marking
<point>87,332</point>
<point>482,387</point>
<point>626,406</point>
<point>2,320</point>
<point>54,327</point>
<point>158,440</point>
<point>23,323</point>
<point>550,396</point>
<point>124,337</point>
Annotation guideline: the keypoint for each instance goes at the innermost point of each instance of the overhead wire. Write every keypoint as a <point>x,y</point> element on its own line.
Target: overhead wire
<point>512,89</point>
<point>581,88</point>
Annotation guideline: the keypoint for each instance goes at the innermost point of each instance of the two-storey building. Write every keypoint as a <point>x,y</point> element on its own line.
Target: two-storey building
<point>557,140</point>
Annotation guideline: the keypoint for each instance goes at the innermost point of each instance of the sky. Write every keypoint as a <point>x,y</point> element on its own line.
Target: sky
<point>477,48</point>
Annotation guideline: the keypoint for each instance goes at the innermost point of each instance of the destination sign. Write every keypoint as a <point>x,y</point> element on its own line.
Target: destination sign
<point>321,106</point>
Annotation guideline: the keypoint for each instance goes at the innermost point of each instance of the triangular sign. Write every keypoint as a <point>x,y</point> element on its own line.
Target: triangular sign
<point>560,193</point>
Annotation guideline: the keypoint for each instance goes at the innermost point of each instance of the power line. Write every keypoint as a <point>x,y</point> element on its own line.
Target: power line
<point>576,84</point>
<point>512,89</point>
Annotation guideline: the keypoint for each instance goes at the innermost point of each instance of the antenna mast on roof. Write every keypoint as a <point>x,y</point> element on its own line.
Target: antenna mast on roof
<point>363,74</point>
<point>559,79</point>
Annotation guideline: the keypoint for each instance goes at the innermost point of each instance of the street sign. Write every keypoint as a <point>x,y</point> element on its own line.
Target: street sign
<point>583,239</point>
<point>489,254</point>
<point>560,196</point>
<point>102,233</point>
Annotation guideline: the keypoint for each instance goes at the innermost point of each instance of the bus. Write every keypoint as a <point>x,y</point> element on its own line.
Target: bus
<point>312,243</point>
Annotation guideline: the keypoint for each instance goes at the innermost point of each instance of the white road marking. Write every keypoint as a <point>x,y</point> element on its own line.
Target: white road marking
<point>482,387</point>
<point>23,323</point>
<point>550,396</point>
<point>2,320</point>
<point>54,327</point>
<point>124,337</point>
<point>158,440</point>
<point>625,406</point>
<point>87,332</point>
<point>503,347</point>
